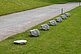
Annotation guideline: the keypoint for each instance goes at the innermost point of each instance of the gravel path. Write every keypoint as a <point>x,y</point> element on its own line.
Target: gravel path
<point>22,21</point>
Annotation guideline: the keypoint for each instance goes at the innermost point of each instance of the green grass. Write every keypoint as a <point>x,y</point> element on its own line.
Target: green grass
<point>65,38</point>
<point>11,6</point>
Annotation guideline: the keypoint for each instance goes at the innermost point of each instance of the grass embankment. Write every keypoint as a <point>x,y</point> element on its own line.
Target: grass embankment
<point>11,6</point>
<point>65,38</point>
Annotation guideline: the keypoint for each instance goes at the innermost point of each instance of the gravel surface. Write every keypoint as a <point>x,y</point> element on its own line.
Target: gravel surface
<point>19,22</point>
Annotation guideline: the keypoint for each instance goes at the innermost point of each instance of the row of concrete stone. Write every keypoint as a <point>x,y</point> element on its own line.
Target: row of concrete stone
<point>36,32</point>
<point>45,27</point>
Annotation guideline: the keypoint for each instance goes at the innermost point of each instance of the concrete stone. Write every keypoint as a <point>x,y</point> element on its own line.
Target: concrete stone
<point>45,27</point>
<point>52,22</point>
<point>34,32</point>
<point>67,14</point>
<point>59,19</point>
<point>63,16</point>
<point>20,42</point>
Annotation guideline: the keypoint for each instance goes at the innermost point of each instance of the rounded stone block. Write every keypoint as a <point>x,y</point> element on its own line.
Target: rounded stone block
<point>52,23</point>
<point>67,14</point>
<point>34,32</point>
<point>63,16</point>
<point>45,27</point>
<point>59,19</point>
<point>20,42</point>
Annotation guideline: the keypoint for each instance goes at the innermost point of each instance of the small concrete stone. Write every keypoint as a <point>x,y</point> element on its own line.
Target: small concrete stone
<point>45,27</point>
<point>34,32</point>
<point>59,19</point>
<point>63,16</point>
<point>52,22</point>
<point>67,14</point>
<point>20,42</point>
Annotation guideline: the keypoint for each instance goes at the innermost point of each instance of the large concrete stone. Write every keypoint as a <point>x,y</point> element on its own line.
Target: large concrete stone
<point>34,32</point>
<point>59,19</point>
<point>45,27</point>
<point>52,22</point>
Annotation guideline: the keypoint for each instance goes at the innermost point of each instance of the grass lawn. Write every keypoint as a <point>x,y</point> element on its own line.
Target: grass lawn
<point>65,38</point>
<point>11,6</point>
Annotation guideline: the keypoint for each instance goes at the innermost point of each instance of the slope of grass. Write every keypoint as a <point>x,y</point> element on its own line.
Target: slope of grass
<point>11,6</point>
<point>65,38</point>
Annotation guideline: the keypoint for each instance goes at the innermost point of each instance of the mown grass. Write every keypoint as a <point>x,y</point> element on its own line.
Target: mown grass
<point>65,38</point>
<point>11,6</point>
